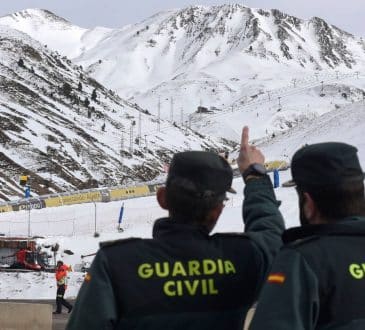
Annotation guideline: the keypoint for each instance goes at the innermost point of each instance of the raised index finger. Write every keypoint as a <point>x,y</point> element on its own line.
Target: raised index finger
<point>244,137</point>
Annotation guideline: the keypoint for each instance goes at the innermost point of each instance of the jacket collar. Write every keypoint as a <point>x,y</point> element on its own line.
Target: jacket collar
<point>351,226</point>
<point>174,226</point>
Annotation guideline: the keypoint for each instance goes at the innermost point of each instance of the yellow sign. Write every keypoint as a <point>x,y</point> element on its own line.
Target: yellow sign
<point>23,180</point>
<point>276,165</point>
<point>116,194</point>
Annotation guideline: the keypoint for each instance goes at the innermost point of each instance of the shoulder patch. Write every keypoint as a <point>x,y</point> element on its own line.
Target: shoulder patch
<point>118,241</point>
<point>301,241</point>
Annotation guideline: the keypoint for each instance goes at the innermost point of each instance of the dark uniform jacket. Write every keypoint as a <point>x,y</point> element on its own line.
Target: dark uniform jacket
<point>183,278</point>
<point>317,280</point>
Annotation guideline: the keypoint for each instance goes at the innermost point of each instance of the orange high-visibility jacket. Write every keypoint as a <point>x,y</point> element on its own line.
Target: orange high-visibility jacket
<point>61,275</point>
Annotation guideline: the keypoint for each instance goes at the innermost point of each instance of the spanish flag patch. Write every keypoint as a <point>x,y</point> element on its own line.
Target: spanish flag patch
<point>277,278</point>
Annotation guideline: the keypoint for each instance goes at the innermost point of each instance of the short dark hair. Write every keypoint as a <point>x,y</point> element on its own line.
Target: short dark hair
<point>336,202</point>
<point>186,203</point>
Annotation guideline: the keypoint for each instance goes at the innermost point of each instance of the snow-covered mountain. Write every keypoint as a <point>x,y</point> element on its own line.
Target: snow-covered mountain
<point>344,124</point>
<point>242,66</point>
<point>221,57</point>
<point>54,31</point>
<point>193,39</point>
<point>67,131</point>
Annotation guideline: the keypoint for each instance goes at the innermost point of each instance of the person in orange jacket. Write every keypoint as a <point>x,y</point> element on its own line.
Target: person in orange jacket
<point>61,278</point>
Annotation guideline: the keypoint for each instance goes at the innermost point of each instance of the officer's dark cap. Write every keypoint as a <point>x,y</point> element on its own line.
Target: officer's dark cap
<point>208,173</point>
<point>326,164</point>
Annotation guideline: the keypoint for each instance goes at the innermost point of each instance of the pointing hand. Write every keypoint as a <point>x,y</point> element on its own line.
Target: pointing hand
<point>248,154</point>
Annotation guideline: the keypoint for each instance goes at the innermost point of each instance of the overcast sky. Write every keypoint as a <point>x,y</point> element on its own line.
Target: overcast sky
<point>346,14</point>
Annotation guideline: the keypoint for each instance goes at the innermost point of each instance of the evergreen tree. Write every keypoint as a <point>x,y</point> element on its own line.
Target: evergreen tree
<point>79,87</point>
<point>21,63</point>
<point>94,95</point>
<point>86,102</point>
<point>66,89</point>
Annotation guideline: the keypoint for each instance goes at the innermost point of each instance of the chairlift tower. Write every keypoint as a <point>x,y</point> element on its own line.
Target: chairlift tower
<point>122,145</point>
<point>171,109</point>
<point>159,113</point>
<point>139,128</point>
<point>131,137</point>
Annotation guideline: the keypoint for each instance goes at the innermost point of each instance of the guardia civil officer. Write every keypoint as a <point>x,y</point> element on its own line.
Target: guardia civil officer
<point>318,278</point>
<point>185,278</point>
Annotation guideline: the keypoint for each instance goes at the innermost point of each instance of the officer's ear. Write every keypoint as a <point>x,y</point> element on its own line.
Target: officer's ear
<point>161,197</point>
<point>213,216</point>
<point>310,209</point>
<point>216,212</point>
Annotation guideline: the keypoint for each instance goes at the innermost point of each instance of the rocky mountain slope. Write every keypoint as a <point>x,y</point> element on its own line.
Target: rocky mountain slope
<point>66,131</point>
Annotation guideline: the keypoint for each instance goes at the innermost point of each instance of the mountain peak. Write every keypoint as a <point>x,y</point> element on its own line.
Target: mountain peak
<point>36,15</point>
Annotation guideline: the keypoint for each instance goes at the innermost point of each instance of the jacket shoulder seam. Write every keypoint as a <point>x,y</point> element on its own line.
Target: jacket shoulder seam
<point>119,241</point>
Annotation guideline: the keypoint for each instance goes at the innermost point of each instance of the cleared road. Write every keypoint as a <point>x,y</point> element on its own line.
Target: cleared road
<point>59,321</point>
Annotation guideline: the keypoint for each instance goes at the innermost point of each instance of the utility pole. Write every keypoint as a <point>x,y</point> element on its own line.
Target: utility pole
<point>96,234</point>
<point>158,113</point>
<point>171,109</point>
<point>131,137</point>
<point>29,208</point>
<point>200,105</point>
<point>279,101</point>
<point>139,128</point>
<point>122,144</point>
<point>145,140</point>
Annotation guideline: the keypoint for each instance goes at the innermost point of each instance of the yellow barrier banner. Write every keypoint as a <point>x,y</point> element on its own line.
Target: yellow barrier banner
<point>116,194</point>
<point>53,201</point>
<point>276,165</point>
<point>86,197</point>
<point>5,208</point>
